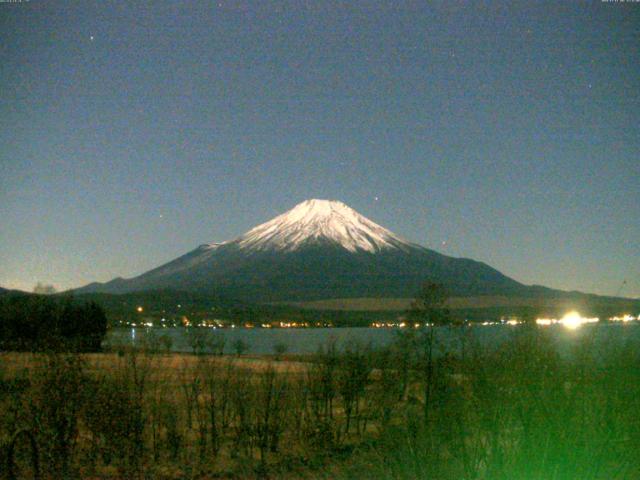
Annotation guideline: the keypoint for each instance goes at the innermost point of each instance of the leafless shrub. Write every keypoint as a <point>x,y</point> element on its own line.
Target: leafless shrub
<point>241,397</point>
<point>13,471</point>
<point>240,346</point>
<point>269,413</point>
<point>116,412</point>
<point>217,377</point>
<point>322,391</point>
<point>56,402</point>
<point>280,349</point>
<point>352,377</point>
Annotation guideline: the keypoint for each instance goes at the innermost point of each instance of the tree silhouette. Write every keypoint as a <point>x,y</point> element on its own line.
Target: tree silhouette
<point>429,310</point>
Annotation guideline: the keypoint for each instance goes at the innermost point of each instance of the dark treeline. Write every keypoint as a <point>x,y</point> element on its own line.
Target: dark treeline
<point>197,307</point>
<point>37,322</point>
<point>174,305</point>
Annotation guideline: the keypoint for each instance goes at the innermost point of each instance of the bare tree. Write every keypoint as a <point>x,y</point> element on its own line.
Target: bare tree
<point>240,346</point>
<point>280,349</point>
<point>429,310</point>
<point>44,289</point>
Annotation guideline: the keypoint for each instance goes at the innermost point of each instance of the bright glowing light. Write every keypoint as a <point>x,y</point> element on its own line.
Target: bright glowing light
<point>573,320</point>
<point>545,321</point>
<point>625,318</point>
<point>140,309</point>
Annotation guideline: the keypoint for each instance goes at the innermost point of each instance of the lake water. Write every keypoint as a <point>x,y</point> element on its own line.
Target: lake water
<point>309,340</point>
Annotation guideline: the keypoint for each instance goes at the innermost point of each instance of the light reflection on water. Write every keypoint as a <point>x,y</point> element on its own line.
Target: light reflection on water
<point>309,340</point>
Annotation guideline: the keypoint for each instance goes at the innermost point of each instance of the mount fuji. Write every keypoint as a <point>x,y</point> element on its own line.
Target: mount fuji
<point>320,249</point>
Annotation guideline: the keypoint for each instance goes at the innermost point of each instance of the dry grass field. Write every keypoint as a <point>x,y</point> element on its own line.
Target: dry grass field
<point>161,364</point>
<point>517,412</point>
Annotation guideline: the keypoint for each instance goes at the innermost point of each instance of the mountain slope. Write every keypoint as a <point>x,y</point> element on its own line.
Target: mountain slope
<point>319,249</point>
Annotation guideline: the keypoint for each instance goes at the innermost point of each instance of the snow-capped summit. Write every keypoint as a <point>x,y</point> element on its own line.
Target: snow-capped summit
<point>320,221</point>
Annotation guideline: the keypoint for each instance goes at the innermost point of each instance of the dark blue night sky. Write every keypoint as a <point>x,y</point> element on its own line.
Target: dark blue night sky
<point>131,133</point>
